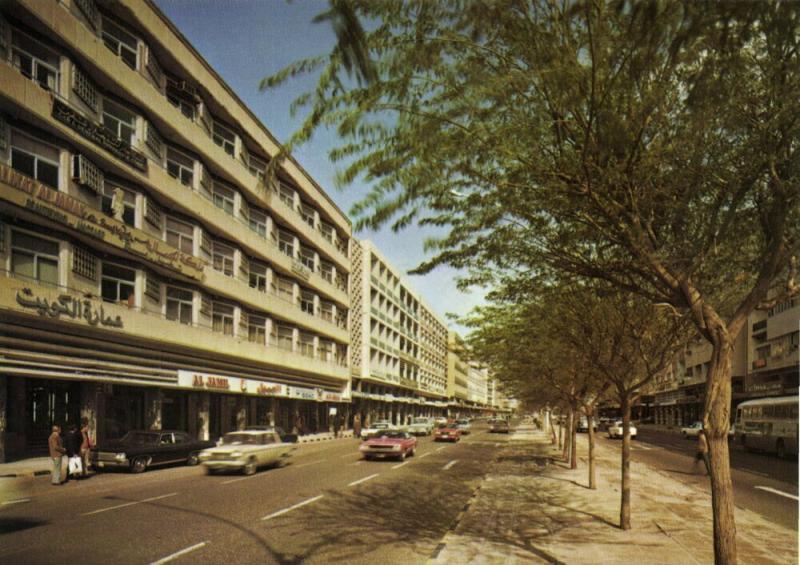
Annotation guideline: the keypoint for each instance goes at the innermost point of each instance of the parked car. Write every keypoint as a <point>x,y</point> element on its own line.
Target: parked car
<point>464,425</point>
<point>141,449</point>
<point>286,438</point>
<point>245,451</point>
<point>615,430</point>
<point>498,425</point>
<point>583,424</point>
<point>389,444</point>
<point>377,427</point>
<point>421,426</point>
<point>440,420</point>
<point>692,430</point>
<point>447,432</point>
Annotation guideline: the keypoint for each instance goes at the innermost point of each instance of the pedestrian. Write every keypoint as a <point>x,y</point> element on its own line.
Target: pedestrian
<point>337,423</point>
<point>357,426</point>
<point>86,446</point>
<point>72,443</point>
<point>298,424</point>
<point>57,451</point>
<point>702,452</point>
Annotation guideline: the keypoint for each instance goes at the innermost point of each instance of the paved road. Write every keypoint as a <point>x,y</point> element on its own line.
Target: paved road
<point>756,476</point>
<point>325,505</point>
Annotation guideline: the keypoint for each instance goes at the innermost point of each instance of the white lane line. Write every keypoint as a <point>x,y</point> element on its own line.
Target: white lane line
<point>637,446</point>
<point>449,465</point>
<point>240,479</point>
<point>177,554</point>
<point>357,463</point>
<point>425,455</point>
<point>364,480</point>
<point>18,501</point>
<point>348,455</point>
<point>298,505</point>
<point>778,492</point>
<point>400,465</point>
<point>307,464</point>
<point>129,504</point>
<point>440,448</point>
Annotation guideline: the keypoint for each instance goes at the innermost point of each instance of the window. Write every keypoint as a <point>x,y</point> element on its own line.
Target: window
<point>222,257</point>
<point>258,222</point>
<point>225,138</point>
<point>327,231</point>
<point>284,337</point>
<point>180,235</point>
<point>121,43</point>
<point>286,194</point>
<point>285,288</point>
<point>128,203</point>
<point>308,215</point>
<point>119,121</point>
<point>307,302</point>
<point>326,311</point>
<point>179,305</point>
<point>307,257</point>
<point>306,344</point>
<point>224,198</point>
<point>286,242</point>
<point>34,257</point>
<point>34,159</point>
<point>84,87</point>
<point>178,96</point>
<point>258,167</point>
<point>257,329</point>
<point>118,284</point>
<point>258,276</point>
<point>84,263</point>
<point>325,350</point>
<point>326,271</point>
<point>222,318</point>
<point>35,61</point>
<point>180,166</point>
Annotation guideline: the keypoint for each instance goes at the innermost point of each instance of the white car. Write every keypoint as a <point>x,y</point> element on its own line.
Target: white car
<point>464,426</point>
<point>615,430</point>
<point>692,431</point>
<point>379,426</point>
<point>245,451</point>
<point>421,427</point>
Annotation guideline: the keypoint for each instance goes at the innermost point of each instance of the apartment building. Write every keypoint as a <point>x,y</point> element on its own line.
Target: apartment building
<point>398,344</point>
<point>457,374</point>
<point>765,363</point>
<point>477,384</point>
<point>153,273</point>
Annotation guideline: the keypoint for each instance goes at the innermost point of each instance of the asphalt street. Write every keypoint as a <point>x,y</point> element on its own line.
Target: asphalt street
<point>761,482</point>
<point>325,504</point>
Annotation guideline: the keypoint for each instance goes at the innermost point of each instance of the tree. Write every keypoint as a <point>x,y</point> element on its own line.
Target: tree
<point>649,144</point>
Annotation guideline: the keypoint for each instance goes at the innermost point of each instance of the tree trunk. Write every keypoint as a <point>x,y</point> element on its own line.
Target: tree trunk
<point>625,501</point>
<point>573,443</point>
<point>592,477</point>
<point>716,422</point>
<point>567,437</point>
<point>560,431</point>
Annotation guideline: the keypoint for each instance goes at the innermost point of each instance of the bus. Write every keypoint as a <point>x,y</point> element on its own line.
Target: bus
<point>768,424</point>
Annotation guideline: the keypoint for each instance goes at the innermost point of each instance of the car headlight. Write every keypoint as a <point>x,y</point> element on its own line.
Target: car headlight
<point>120,457</point>
<point>203,456</point>
<point>395,448</point>
<point>363,448</point>
<point>236,454</point>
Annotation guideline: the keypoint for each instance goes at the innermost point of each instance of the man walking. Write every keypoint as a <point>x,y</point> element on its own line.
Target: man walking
<point>57,452</point>
<point>357,426</point>
<point>702,452</point>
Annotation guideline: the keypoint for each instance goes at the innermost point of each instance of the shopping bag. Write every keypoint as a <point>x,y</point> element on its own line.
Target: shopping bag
<point>75,465</point>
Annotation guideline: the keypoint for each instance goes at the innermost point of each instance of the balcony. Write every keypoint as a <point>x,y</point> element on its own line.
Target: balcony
<point>57,304</point>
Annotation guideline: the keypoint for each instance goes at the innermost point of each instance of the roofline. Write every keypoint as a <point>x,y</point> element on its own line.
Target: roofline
<point>770,400</point>
<point>151,4</point>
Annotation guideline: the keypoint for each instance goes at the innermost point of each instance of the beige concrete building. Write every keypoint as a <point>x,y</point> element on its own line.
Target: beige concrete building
<point>457,373</point>
<point>152,275</point>
<point>398,344</point>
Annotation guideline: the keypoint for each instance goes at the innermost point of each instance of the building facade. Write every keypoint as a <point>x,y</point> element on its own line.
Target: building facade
<point>457,375</point>
<point>397,344</point>
<point>153,274</point>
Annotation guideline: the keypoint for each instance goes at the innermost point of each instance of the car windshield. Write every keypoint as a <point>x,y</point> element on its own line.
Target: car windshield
<point>392,434</point>
<point>241,439</point>
<point>140,438</point>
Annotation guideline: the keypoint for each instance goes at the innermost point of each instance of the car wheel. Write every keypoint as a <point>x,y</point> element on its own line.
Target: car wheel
<point>192,460</point>
<point>780,449</point>
<point>403,456</point>
<point>139,465</point>
<point>413,451</point>
<point>249,467</point>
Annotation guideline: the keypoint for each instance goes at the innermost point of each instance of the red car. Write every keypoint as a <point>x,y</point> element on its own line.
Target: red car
<point>447,432</point>
<point>389,444</point>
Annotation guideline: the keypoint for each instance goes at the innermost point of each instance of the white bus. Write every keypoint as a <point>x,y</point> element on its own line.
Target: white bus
<point>768,424</point>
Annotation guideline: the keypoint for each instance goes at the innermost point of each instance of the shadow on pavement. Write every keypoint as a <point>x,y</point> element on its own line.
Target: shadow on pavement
<point>11,525</point>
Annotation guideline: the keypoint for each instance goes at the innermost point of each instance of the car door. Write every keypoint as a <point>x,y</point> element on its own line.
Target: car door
<point>165,450</point>
<point>183,445</point>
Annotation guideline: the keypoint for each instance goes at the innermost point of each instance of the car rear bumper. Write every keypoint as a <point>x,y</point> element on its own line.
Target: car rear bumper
<point>224,464</point>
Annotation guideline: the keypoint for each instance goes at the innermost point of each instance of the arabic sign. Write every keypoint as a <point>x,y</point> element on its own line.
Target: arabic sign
<point>64,209</point>
<point>68,306</point>
<point>206,381</point>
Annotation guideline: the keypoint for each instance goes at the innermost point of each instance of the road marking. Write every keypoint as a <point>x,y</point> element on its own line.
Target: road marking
<point>641,447</point>
<point>18,501</point>
<point>425,455</point>
<point>307,464</point>
<point>240,479</point>
<point>177,554</point>
<point>400,465</point>
<point>449,465</point>
<point>349,455</point>
<point>129,504</point>
<point>440,448</point>
<point>298,505</point>
<point>357,463</point>
<point>779,492</point>
<point>364,480</point>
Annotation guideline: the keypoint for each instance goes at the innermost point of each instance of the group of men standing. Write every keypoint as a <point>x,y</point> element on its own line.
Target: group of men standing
<point>75,444</point>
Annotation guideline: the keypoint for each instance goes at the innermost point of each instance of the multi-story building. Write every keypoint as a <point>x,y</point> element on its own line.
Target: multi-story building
<point>773,352</point>
<point>155,273</point>
<point>398,344</point>
<point>477,384</point>
<point>457,374</point>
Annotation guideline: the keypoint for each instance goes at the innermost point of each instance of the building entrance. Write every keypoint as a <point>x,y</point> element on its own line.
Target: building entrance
<point>49,403</point>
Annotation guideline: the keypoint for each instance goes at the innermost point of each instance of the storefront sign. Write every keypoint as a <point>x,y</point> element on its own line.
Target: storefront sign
<point>302,393</point>
<point>64,209</point>
<point>764,387</point>
<point>68,306</point>
<point>99,135</point>
<point>205,381</point>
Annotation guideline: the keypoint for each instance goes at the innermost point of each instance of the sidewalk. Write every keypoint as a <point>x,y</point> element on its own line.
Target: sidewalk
<point>36,466</point>
<point>530,509</point>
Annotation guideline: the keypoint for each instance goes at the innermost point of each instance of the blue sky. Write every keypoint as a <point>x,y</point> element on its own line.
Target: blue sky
<point>246,40</point>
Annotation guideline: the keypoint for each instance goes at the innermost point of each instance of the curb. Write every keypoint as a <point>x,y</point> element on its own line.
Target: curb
<point>26,473</point>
